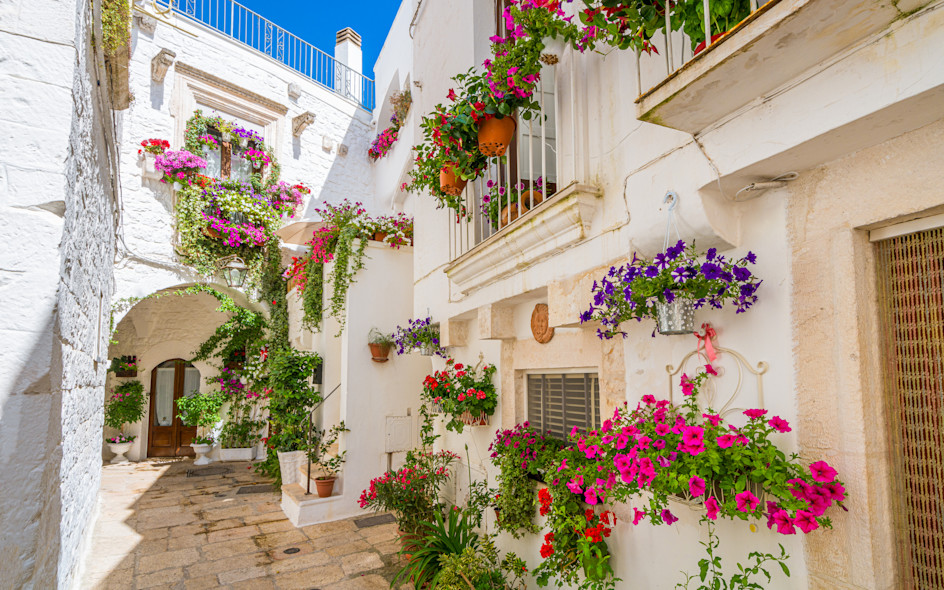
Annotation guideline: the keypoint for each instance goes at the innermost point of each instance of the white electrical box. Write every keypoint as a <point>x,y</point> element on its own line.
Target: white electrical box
<point>399,436</point>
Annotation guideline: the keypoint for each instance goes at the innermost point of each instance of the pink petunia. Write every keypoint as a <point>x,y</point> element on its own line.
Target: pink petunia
<point>696,486</point>
<point>779,424</point>
<point>668,517</point>
<point>726,440</point>
<point>805,521</point>
<point>712,508</point>
<point>710,370</point>
<point>714,419</point>
<point>755,414</point>
<point>746,501</point>
<point>638,515</point>
<point>822,472</point>
<point>783,522</point>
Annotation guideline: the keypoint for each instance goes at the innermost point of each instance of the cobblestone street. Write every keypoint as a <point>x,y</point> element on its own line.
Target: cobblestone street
<point>160,528</point>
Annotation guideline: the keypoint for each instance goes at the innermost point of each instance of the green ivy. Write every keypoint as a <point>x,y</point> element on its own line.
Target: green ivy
<point>313,296</point>
<point>348,260</point>
<point>273,292</point>
<point>116,25</point>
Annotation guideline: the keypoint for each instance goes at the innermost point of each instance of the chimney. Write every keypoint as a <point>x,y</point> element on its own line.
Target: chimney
<point>347,50</point>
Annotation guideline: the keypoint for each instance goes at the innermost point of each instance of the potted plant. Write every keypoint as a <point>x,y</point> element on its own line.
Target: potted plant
<point>380,344</point>
<point>421,334</point>
<point>330,464</point>
<point>501,206</point>
<point>203,411</point>
<point>669,287</point>
<point>124,366</point>
<point>126,406</point>
<point>466,394</point>
<point>394,230</point>
<point>177,166</point>
<point>241,431</point>
<point>291,402</point>
<point>150,149</point>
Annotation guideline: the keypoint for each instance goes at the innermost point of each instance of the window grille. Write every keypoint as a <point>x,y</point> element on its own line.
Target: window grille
<point>910,271</point>
<point>559,401</point>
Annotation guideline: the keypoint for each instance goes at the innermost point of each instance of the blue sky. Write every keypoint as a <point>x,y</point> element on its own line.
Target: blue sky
<point>317,22</point>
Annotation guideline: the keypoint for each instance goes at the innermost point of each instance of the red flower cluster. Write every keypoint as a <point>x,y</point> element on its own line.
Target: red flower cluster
<point>600,531</point>
<point>154,146</point>
<point>544,496</point>
<point>547,549</point>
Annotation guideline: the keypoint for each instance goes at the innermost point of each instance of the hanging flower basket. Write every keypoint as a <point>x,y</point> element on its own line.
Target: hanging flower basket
<point>427,350</point>
<point>469,419</point>
<point>449,182</point>
<point>495,135</point>
<point>677,317</point>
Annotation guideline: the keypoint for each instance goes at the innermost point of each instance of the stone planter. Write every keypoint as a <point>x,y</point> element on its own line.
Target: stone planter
<point>202,451</point>
<point>675,318</point>
<point>119,449</point>
<point>289,462</point>
<point>239,454</point>
<point>150,169</point>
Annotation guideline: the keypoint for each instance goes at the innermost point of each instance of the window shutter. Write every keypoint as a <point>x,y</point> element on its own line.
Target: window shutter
<point>559,401</point>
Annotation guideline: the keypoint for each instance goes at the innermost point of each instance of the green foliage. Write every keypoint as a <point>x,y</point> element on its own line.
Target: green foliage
<point>348,259</point>
<point>724,14</point>
<point>313,296</point>
<point>711,577</point>
<point>441,537</point>
<point>479,568</point>
<point>375,336</point>
<point>126,405</point>
<point>326,439</point>
<point>273,292</point>
<point>116,25</point>
<point>200,409</point>
<point>292,397</point>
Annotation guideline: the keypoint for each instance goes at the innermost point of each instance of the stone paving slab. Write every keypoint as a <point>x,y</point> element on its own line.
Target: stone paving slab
<point>159,528</point>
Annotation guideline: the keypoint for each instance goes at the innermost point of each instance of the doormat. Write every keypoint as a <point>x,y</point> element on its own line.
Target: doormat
<point>205,471</point>
<point>363,523</point>
<point>259,489</point>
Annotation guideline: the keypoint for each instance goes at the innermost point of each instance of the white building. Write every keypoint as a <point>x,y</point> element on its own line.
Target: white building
<point>839,104</point>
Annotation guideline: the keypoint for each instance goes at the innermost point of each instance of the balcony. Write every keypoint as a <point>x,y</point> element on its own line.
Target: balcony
<point>779,41</point>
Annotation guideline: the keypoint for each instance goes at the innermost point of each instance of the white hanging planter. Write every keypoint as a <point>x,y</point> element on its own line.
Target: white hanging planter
<point>149,166</point>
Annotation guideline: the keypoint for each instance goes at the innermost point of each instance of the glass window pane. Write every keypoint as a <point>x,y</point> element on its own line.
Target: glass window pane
<point>164,397</point>
<point>241,169</point>
<point>191,381</point>
<point>214,160</point>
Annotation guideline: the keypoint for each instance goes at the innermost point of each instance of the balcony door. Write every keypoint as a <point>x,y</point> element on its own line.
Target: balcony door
<point>167,436</point>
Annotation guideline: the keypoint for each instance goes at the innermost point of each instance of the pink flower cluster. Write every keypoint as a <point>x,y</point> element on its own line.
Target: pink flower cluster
<point>177,165</point>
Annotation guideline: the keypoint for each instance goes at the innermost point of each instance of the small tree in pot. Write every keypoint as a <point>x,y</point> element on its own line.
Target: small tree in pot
<point>330,464</point>
<point>126,406</point>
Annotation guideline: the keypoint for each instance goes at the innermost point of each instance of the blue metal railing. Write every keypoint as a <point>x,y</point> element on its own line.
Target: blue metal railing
<point>251,29</point>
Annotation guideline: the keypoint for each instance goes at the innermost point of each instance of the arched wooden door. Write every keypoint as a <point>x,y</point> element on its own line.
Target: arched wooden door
<point>167,436</point>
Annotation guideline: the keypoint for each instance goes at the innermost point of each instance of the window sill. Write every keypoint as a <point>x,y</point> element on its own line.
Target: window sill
<point>559,223</point>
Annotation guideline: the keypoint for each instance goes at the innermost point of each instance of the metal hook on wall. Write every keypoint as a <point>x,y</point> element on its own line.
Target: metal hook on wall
<point>672,199</point>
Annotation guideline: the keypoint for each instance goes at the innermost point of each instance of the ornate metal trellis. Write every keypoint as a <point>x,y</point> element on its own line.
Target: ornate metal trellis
<point>709,395</point>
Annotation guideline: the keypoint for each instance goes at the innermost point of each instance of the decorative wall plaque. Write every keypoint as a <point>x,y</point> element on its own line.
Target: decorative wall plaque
<point>539,324</point>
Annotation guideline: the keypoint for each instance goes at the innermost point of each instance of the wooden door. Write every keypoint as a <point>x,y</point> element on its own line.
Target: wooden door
<point>167,436</point>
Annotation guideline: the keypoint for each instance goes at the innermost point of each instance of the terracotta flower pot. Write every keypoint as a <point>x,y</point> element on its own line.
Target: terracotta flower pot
<point>495,134</point>
<point>407,543</point>
<point>210,232</point>
<point>379,352</point>
<point>510,213</point>
<point>325,485</point>
<point>701,46</point>
<point>449,183</point>
<point>380,236</point>
<point>532,198</point>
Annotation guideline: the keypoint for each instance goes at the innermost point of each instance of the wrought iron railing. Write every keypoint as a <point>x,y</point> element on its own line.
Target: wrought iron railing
<point>249,28</point>
<point>676,48</point>
<point>518,183</point>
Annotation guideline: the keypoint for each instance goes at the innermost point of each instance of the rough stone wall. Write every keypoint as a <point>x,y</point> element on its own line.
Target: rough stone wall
<point>836,340</point>
<point>55,286</point>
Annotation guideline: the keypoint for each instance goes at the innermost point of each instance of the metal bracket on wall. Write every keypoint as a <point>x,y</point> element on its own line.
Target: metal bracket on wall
<point>709,394</point>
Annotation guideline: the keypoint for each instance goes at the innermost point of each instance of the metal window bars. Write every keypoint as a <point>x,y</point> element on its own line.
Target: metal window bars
<point>685,54</point>
<point>249,28</point>
<point>521,181</point>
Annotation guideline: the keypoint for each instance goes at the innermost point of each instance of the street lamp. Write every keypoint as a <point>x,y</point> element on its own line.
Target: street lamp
<point>235,271</point>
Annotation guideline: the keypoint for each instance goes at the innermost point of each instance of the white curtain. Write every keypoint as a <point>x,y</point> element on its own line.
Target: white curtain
<point>191,381</point>
<point>164,396</point>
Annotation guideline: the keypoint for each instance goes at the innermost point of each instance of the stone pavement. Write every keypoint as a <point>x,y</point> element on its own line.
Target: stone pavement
<point>159,528</point>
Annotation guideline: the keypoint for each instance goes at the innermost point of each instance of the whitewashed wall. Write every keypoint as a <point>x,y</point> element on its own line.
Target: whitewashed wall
<point>881,86</point>
<point>56,216</point>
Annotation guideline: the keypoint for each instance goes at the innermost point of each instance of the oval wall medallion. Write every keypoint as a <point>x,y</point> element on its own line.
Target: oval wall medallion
<point>539,324</point>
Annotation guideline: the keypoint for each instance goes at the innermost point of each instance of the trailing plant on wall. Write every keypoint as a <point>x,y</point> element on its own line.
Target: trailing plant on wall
<point>401,102</point>
<point>116,25</point>
<point>342,241</point>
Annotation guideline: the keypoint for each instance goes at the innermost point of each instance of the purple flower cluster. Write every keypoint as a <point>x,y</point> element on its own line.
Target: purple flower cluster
<point>248,134</point>
<point>631,291</point>
<point>418,334</point>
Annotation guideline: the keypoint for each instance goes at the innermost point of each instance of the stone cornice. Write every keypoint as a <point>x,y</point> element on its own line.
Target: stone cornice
<point>230,87</point>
